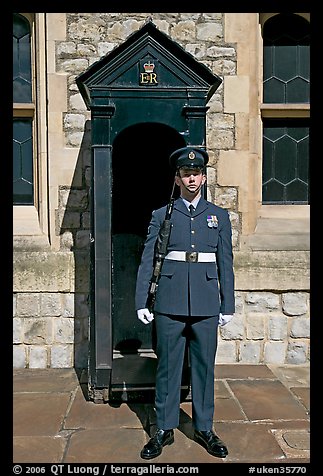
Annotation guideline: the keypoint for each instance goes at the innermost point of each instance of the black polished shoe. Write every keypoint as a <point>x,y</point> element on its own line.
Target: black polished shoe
<point>155,445</point>
<point>211,442</point>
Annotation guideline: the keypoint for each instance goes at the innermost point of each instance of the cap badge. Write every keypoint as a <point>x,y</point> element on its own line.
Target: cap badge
<point>191,155</point>
<point>212,221</point>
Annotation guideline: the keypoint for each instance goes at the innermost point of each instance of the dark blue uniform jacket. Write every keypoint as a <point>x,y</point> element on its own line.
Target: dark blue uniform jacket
<point>190,289</point>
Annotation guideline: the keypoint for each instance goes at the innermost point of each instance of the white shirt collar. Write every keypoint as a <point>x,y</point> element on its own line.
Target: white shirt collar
<point>193,202</point>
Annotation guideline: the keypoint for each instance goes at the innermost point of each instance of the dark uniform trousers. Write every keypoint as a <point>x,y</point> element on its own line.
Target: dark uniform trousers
<point>172,332</point>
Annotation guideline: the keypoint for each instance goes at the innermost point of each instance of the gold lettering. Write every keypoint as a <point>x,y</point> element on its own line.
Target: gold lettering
<point>153,78</point>
<point>148,78</point>
<point>144,78</point>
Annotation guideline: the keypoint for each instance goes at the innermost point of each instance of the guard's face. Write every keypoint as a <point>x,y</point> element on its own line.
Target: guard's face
<point>190,180</point>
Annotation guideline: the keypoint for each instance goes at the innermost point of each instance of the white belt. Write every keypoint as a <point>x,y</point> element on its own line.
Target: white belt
<point>191,256</point>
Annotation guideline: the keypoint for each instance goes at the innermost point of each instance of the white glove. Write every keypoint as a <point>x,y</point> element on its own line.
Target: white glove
<point>145,316</point>
<point>224,319</point>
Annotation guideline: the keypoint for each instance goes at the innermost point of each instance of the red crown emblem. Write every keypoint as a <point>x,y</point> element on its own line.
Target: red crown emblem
<point>149,67</point>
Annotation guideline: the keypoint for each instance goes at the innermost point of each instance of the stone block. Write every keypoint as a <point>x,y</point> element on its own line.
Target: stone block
<point>226,352</point>
<point>275,352</point>
<point>277,327</point>
<point>28,304</point>
<point>38,331</point>
<point>295,304</point>
<point>255,324</point>
<point>19,357</point>
<point>279,270</point>
<point>296,353</point>
<point>208,31</point>
<point>300,327</point>
<point>37,357</point>
<point>63,330</point>
<point>234,330</point>
<point>50,304</point>
<point>68,305</point>
<point>250,352</point>
<point>41,272</point>
<point>264,301</point>
<point>18,330</point>
<point>61,356</point>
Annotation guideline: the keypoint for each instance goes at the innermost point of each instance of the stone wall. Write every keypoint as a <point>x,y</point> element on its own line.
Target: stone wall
<point>50,330</point>
<point>267,328</point>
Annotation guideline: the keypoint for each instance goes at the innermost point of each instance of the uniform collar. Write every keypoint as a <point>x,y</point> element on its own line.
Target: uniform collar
<point>201,206</point>
<point>193,202</point>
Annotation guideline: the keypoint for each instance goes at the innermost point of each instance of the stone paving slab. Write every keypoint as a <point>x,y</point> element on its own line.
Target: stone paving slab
<point>268,400</point>
<point>44,380</point>
<point>224,409</point>
<point>221,389</point>
<point>241,371</point>
<point>246,442</point>
<point>303,395</point>
<point>38,449</point>
<point>250,442</point>
<point>39,414</point>
<point>292,375</point>
<point>260,412</point>
<point>88,415</point>
<point>102,445</point>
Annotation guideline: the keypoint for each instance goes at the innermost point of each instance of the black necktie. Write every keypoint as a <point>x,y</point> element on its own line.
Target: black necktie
<point>191,209</point>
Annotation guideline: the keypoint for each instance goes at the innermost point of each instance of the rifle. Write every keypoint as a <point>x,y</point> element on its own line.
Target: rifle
<point>160,252</point>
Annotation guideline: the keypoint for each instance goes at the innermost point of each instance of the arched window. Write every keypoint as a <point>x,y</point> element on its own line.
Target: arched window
<point>286,92</point>
<point>23,113</point>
